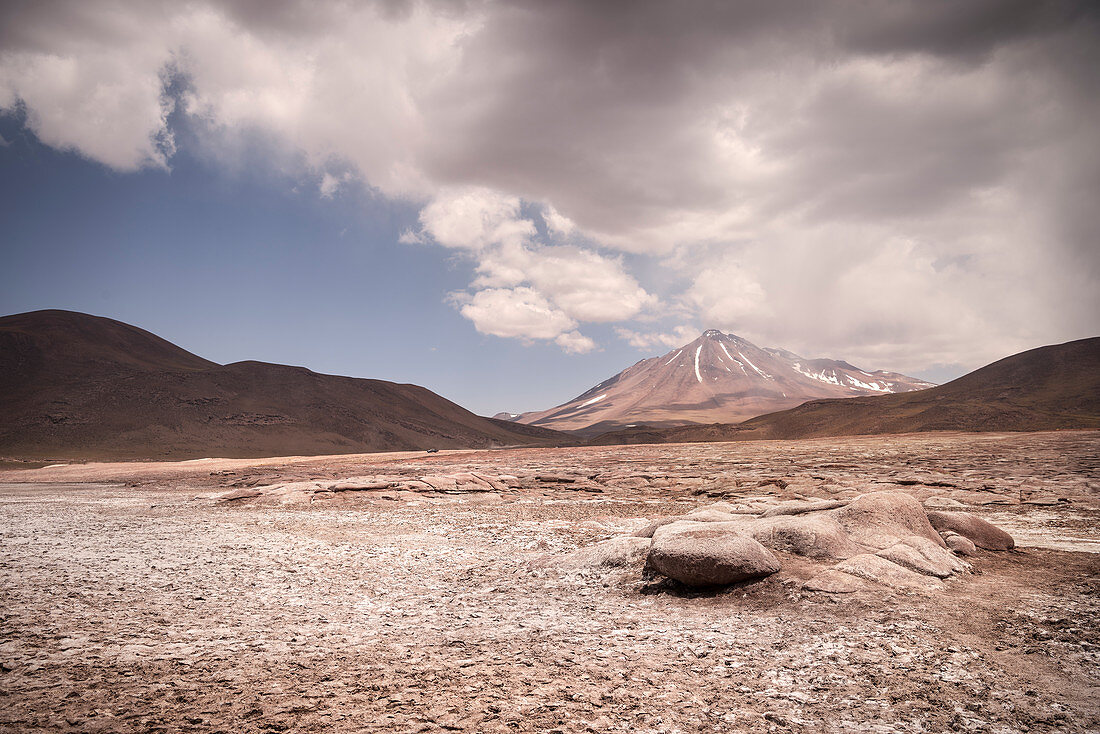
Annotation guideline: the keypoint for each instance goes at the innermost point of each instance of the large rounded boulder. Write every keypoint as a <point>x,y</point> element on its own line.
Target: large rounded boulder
<point>816,535</point>
<point>707,554</point>
<point>880,519</point>
<point>981,533</point>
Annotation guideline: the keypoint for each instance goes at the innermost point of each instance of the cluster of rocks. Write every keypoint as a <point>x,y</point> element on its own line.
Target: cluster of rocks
<point>382,486</point>
<point>838,546</point>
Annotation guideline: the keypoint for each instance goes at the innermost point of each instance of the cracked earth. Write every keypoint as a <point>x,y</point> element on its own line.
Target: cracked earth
<point>414,592</point>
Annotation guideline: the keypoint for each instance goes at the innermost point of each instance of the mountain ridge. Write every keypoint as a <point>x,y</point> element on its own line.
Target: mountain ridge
<point>76,386</point>
<point>1055,387</point>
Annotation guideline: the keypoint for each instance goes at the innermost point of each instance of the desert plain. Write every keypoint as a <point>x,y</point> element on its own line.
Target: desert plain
<point>457,591</point>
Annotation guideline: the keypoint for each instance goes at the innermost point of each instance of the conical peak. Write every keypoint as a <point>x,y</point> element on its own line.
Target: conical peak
<point>713,334</point>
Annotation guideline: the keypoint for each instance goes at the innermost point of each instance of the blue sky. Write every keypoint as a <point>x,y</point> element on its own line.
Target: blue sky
<point>508,202</point>
<point>250,264</point>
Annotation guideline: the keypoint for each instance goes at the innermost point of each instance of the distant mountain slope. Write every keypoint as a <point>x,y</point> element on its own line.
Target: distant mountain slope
<point>1049,388</point>
<point>716,378</point>
<point>74,386</point>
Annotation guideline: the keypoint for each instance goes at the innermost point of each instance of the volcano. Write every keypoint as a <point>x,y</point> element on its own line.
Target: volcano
<point>718,378</point>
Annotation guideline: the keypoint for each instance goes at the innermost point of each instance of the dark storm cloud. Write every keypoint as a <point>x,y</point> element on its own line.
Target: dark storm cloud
<point>965,31</point>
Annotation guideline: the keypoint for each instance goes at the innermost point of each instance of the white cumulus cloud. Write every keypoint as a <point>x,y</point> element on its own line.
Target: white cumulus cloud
<point>515,312</point>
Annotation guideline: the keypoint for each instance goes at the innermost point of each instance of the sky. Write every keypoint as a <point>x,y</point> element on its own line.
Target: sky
<point>508,202</point>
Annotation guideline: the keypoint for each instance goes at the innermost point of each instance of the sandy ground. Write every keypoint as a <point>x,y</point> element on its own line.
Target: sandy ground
<point>133,599</point>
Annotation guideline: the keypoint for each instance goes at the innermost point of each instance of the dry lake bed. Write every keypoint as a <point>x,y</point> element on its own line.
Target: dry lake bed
<point>445,592</point>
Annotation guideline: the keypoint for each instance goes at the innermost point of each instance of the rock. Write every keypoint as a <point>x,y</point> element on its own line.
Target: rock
<point>832,581</point>
<point>719,506</point>
<point>880,519</point>
<point>709,515</point>
<point>800,508</point>
<point>495,482</point>
<point>352,485</point>
<point>648,530</point>
<point>881,571</point>
<point>1044,501</point>
<point>439,482</point>
<point>620,552</point>
<point>923,556</point>
<point>702,515</point>
<point>681,524</point>
<point>959,544</point>
<point>556,478</point>
<point>983,534</point>
<point>240,494</point>
<point>469,478</point>
<point>706,554</point>
<point>942,502</point>
<point>813,536</point>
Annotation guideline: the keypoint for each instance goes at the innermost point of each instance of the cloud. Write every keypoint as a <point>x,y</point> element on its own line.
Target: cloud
<point>580,284</point>
<point>807,172</point>
<point>574,342</point>
<point>474,219</point>
<point>726,294</point>
<point>556,224</point>
<point>655,340</point>
<point>515,312</point>
<point>331,184</point>
<point>584,284</point>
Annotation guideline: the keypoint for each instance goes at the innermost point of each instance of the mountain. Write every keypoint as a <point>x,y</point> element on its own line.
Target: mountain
<point>1049,388</point>
<point>74,386</point>
<point>716,378</point>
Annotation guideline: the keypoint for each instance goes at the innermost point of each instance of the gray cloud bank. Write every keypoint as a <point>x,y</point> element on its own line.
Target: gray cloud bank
<point>901,184</point>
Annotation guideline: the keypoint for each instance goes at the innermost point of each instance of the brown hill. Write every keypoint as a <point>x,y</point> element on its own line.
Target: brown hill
<point>717,377</point>
<point>1049,388</point>
<point>74,386</point>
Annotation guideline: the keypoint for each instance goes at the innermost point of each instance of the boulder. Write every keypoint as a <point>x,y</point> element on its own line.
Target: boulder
<point>881,571</point>
<point>880,519</point>
<point>359,485</point>
<point>983,534</point>
<point>656,524</point>
<point>709,515</point>
<point>240,494</point>
<point>802,507</point>
<point>923,556</point>
<point>959,544</point>
<point>708,554</point>
<point>815,536</point>
<point>705,514</point>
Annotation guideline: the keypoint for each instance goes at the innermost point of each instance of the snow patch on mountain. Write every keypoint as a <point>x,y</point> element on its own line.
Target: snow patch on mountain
<point>762,373</point>
<point>593,400</point>
<point>869,386</point>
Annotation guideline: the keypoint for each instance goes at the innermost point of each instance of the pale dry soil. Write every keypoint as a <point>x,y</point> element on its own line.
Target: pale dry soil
<point>146,604</point>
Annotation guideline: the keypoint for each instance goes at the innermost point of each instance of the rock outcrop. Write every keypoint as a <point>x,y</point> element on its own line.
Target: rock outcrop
<point>981,533</point>
<point>886,538</point>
